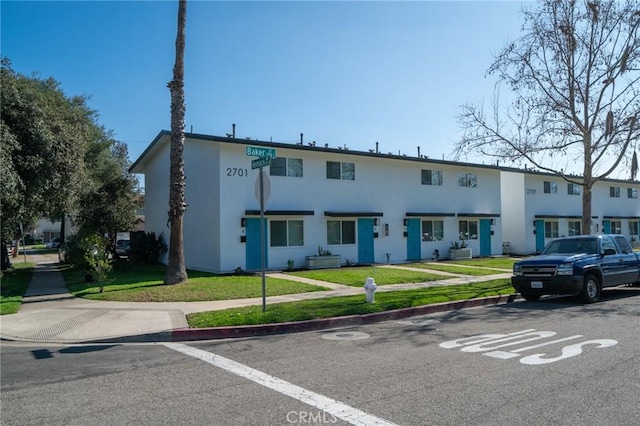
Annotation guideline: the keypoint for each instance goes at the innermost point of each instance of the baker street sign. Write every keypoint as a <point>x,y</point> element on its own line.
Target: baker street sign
<point>256,151</point>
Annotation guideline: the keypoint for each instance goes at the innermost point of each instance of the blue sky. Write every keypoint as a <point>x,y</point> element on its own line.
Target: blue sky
<point>343,73</point>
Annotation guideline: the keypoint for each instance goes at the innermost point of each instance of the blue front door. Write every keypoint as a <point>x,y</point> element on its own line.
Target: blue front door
<point>414,241</point>
<point>539,234</point>
<point>252,250</point>
<point>606,226</point>
<point>365,241</point>
<point>485,237</point>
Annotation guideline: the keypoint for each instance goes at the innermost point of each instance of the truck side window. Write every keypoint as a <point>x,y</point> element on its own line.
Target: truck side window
<point>624,245</point>
<point>607,243</point>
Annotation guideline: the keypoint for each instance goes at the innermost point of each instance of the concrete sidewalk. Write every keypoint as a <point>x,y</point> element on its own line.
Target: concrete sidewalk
<point>49,313</point>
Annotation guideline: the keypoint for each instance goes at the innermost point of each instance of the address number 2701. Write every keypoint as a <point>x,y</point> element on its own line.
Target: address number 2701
<point>234,171</point>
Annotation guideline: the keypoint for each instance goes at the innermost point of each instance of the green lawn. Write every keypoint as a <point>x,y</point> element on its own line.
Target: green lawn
<point>348,305</point>
<point>130,282</point>
<point>356,277</point>
<point>487,262</point>
<point>454,268</point>
<point>13,284</point>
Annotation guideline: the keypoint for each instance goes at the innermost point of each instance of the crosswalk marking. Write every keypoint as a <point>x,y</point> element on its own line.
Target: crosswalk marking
<point>321,402</point>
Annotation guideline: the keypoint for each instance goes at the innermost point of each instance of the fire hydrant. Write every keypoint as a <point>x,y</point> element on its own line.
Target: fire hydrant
<point>370,288</point>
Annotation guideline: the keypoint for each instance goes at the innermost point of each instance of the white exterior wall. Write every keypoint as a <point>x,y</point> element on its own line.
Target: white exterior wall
<point>202,218</point>
<point>156,193</point>
<point>220,188</point>
<point>514,230</point>
<point>622,209</point>
<point>605,205</point>
<point>559,207</point>
<point>389,186</point>
<point>551,205</point>
<point>46,230</point>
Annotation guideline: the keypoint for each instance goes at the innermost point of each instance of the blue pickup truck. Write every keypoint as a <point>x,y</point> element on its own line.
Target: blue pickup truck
<point>581,265</point>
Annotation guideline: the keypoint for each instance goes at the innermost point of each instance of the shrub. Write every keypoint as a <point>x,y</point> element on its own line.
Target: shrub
<point>147,248</point>
<point>88,253</point>
<point>457,245</point>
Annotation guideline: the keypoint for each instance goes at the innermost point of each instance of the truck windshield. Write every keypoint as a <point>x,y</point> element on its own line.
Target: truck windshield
<point>572,246</point>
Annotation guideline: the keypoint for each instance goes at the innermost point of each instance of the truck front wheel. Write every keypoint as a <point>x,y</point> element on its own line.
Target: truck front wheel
<point>592,289</point>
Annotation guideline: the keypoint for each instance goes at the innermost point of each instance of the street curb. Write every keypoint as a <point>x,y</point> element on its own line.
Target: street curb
<point>214,333</point>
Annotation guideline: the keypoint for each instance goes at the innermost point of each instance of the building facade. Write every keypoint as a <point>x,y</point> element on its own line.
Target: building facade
<point>538,207</point>
<point>366,207</point>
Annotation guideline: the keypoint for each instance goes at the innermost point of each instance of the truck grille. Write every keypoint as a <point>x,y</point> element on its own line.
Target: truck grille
<point>539,271</point>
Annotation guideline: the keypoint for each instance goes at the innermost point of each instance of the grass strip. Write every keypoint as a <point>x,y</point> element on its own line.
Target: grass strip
<point>347,305</point>
<point>144,283</point>
<point>487,262</point>
<point>13,285</point>
<point>356,277</point>
<point>448,267</point>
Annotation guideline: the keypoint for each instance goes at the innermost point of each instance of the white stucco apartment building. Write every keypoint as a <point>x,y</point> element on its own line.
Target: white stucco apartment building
<point>537,207</point>
<point>367,207</point>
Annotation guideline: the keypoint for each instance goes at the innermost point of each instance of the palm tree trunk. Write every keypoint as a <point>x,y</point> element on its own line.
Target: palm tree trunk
<point>176,270</point>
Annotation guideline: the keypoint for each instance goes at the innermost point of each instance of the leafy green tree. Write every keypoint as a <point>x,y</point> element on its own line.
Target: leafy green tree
<point>57,160</point>
<point>88,253</point>
<point>44,139</point>
<point>575,79</point>
<point>107,200</point>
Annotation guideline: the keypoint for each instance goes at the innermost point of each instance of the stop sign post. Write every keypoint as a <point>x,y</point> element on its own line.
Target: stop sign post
<point>263,190</point>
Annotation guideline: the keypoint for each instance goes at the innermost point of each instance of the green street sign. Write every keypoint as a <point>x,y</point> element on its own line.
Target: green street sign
<point>260,162</point>
<point>257,151</point>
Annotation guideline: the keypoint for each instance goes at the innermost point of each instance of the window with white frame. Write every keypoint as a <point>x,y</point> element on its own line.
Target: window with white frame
<point>551,229</point>
<point>616,227</point>
<point>575,227</point>
<point>633,229</point>
<point>432,177</point>
<point>632,192</point>
<point>573,189</point>
<point>614,191</point>
<point>432,230</point>
<point>550,187</point>
<point>468,180</point>
<point>341,232</point>
<point>341,171</point>
<point>468,229</point>
<point>286,233</point>
<point>283,166</point>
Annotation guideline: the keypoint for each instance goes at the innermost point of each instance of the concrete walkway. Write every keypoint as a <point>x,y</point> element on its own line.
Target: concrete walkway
<point>49,313</point>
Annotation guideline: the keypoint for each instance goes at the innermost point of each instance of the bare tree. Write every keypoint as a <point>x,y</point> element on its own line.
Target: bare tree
<point>176,270</point>
<point>574,76</point>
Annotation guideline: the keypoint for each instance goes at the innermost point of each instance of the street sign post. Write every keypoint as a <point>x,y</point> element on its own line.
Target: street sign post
<point>264,159</point>
<point>262,242</point>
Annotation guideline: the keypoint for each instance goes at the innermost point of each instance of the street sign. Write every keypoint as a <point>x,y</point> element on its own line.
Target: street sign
<point>260,162</point>
<point>266,187</point>
<point>258,151</point>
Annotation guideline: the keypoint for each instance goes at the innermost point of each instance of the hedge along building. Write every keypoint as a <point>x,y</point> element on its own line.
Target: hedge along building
<point>366,207</point>
<point>539,206</point>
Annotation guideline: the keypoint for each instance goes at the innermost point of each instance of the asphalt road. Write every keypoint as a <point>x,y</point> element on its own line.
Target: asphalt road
<point>555,361</point>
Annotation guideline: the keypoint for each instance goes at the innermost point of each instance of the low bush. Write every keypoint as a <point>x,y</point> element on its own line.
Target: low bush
<point>88,253</point>
<point>146,248</point>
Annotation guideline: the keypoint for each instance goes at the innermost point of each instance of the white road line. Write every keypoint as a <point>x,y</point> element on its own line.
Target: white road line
<point>328,405</point>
